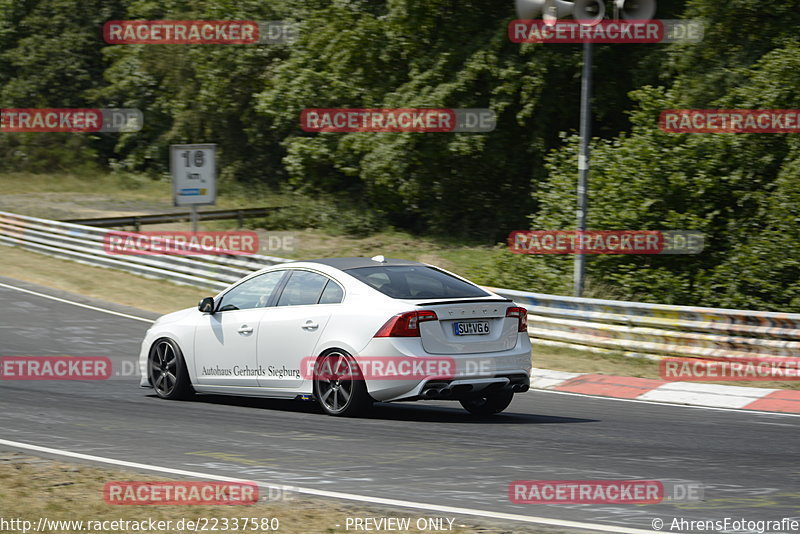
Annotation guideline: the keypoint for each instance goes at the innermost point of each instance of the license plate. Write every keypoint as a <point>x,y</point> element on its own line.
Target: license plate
<point>472,328</point>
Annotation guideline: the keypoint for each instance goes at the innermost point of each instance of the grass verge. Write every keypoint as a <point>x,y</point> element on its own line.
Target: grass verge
<point>320,228</point>
<point>32,488</point>
<point>157,296</point>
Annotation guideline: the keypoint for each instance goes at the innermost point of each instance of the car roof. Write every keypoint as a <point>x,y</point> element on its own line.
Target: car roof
<point>344,264</point>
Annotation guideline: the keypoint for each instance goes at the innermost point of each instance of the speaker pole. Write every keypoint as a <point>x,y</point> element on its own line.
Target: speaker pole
<point>583,164</point>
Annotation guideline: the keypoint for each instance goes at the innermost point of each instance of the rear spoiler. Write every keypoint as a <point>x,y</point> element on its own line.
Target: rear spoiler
<point>463,301</point>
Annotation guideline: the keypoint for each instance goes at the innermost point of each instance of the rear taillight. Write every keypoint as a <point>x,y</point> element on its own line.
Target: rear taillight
<point>522,317</point>
<point>406,324</point>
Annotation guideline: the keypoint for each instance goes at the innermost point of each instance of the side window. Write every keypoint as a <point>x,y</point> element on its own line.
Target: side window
<point>303,287</point>
<point>255,293</point>
<point>332,294</point>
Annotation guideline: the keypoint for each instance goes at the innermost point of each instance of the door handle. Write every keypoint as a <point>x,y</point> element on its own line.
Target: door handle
<point>245,330</point>
<point>310,325</point>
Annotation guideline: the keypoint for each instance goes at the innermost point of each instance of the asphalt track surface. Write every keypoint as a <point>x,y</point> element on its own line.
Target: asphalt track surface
<point>431,452</point>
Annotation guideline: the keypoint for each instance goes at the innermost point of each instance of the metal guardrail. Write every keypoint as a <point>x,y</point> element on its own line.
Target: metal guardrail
<point>630,328</point>
<point>85,244</point>
<point>656,330</point>
<point>138,220</point>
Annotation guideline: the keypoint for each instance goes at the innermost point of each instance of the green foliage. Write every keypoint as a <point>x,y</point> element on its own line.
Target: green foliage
<point>739,190</point>
<point>49,57</point>
<point>338,216</point>
<point>430,54</point>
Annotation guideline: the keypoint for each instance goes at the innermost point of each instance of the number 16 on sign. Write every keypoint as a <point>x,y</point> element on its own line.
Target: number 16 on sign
<point>194,176</point>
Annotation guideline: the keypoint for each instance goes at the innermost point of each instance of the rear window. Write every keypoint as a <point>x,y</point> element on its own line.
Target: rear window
<point>416,282</point>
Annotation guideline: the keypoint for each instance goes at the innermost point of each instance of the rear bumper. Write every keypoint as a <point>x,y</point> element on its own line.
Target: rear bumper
<point>475,374</point>
<point>465,388</point>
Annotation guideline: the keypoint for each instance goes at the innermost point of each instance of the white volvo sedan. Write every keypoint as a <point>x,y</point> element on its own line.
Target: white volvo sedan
<point>346,332</point>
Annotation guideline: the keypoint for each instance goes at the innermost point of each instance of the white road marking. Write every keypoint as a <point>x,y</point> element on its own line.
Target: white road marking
<point>94,308</point>
<point>334,494</point>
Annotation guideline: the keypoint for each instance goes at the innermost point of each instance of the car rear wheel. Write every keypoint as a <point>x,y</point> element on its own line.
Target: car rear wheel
<point>339,386</point>
<point>489,404</point>
<point>167,372</point>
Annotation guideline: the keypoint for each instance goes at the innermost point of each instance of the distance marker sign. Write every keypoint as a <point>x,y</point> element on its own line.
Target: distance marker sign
<point>194,174</point>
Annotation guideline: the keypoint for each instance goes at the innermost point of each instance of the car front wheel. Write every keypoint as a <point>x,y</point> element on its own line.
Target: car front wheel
<point>490,404</point>
<point>167,372</point>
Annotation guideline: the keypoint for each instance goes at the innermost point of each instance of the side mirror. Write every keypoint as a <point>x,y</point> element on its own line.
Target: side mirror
<point>206,305</point>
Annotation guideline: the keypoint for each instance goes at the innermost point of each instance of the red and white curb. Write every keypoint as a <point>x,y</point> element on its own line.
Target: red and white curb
<point>689,393</point>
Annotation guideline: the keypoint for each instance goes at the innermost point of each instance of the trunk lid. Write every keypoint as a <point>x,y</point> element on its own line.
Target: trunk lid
<point>469,326</point>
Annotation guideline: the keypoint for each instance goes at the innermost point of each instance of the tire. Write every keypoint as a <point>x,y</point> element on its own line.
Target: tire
<point>167,372</point>
<point>488,405</point>
<point>338,396</point>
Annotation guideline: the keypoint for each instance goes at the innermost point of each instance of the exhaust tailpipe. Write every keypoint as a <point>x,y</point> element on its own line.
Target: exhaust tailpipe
<point>433,393</point>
